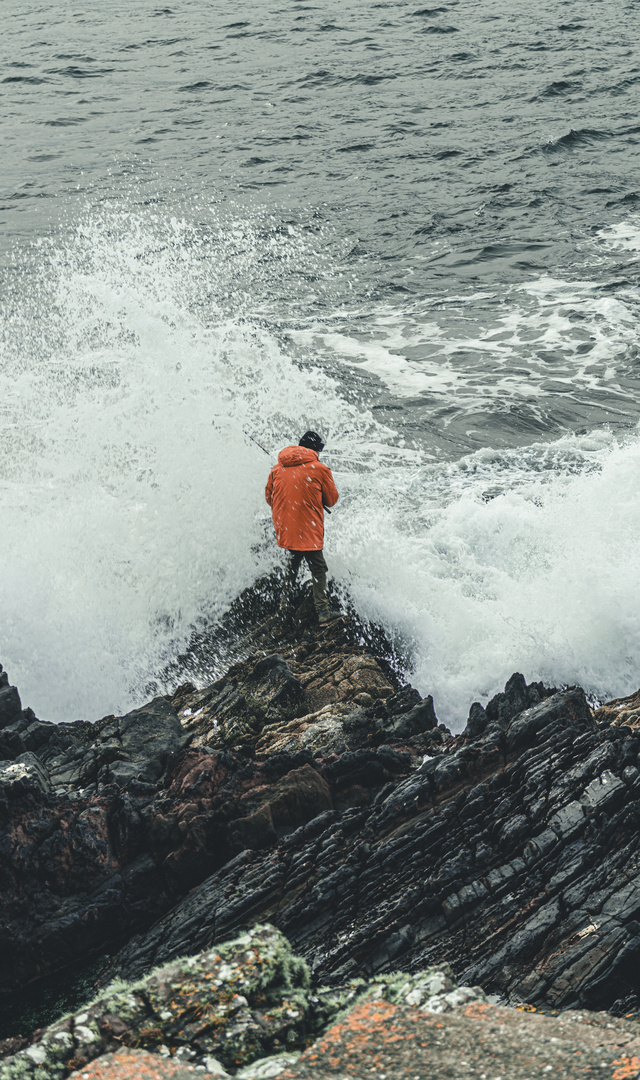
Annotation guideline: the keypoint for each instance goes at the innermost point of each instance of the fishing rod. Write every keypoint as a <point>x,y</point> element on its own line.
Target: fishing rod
<point>270,456</point>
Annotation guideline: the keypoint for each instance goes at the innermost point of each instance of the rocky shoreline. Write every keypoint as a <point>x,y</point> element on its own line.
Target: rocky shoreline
<point>309,788</point>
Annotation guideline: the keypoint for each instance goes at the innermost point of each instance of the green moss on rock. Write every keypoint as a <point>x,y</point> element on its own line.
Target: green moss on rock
<point>241,1002</point>
<point>238,1002</point>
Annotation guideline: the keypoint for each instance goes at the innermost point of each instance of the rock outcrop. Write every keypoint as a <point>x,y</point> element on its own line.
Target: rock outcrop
<point>223,1009</point>
<point>246,1009</point>
<point>308,786</point>
<point>512,854</point>
<point>106,825</point>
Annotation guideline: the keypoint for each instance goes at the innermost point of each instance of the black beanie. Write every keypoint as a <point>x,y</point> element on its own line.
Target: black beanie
<point>312,441</point>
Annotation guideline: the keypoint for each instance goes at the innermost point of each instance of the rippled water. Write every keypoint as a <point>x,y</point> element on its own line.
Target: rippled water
<point>413,227</point>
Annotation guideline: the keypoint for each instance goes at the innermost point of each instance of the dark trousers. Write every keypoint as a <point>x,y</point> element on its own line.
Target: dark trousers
<point>318,567</point>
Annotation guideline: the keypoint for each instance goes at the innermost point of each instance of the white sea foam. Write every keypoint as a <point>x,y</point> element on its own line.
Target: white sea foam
<point>133,501</point>
<point>544,578</point>
<point>528,345</point>
<point>625,235</point>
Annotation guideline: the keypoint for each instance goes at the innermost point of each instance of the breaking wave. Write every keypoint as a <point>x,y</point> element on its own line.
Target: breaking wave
<point>139,353</point>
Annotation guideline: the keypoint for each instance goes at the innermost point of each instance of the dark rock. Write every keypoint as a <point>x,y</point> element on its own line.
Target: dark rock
<point>277,694</point>
<point>256,831</point>
<point>532,725</point>
<point>415,721</point>
<point>307,786</point>
<point>24,776</point>
<point>11,744</point>
<point>517,696</point>
<point>477,721</point>
<point>499,865</point>
<point>36,734</point>
<point>10,706</point>
<point>150,734</point>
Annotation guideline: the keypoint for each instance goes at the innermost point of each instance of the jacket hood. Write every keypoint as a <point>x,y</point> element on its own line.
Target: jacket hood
<point>296,455</point>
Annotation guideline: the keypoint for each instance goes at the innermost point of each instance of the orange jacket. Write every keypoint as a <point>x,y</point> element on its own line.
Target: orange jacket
<point>297,489</point>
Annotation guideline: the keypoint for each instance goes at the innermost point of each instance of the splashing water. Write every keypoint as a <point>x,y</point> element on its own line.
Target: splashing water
<point>132,500</point>
<point>134,359</point>
<point>509,570</point>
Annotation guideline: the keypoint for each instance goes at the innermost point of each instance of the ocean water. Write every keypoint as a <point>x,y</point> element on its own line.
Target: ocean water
<point>413,228</point>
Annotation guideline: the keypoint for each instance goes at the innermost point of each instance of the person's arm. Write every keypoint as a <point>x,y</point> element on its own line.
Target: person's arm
<point>268,491</point>
<point>329,490</point>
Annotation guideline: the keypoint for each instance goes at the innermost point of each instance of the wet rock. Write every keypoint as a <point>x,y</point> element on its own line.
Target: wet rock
<point>404,725</point>
<point>620,711</point>
<point>255,831</point>
<point>10,705</point>
<point>79,868</point>
<point>25,775</point>
<point>298,797</point>
<point>373,837</point>
<point>277,694</point>
<point>477,721</point>
<point>498,854</point>
<point>294,699</point>
<point>11,744</point>
<point>517,697</point>
<point>531,725</point>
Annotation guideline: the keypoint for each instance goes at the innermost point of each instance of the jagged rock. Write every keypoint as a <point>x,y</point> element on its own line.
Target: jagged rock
<point>300,796</point>
<point>275,691</point>
<point>477,721</point>
<point>10,705</point>
<point>509,855</point>
<point>322,731</point>
<point>517,696</point>
<point>143,739</point>
<point>373,837</point>
<point>620,711</point>
<point>78,869</point>
<point>11,744</point>
<point>25,775</point>
<point>276,702</point>
<point>529,726</point>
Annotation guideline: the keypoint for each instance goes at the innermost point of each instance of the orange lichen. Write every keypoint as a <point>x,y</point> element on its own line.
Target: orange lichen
<point>477,1008</point>
<point>132,1065</point>
<point>629,1068</point>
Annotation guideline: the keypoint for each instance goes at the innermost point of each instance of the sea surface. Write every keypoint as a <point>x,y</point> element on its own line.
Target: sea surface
<point>413,228</point>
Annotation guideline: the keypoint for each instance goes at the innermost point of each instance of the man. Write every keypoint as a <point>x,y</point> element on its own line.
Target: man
<point>298,489</point>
